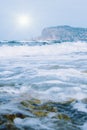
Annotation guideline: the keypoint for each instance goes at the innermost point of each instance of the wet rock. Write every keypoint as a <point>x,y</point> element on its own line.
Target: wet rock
<point>26,103</point>
<point>36,101</point>
<point>8,126</point>
<point>29,105</point>
<point>11,117</point>
<point>7,121</point>
<point>36,105</point>
<point>68,102</point>
<point>40,113</point>
<point>38,109</point>
<point>48,107</point>
<point>64,117</point>
<point>62,110</point>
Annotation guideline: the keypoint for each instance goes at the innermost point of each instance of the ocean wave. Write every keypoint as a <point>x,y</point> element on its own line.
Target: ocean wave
<point>52,50</point>
<point>43,86</point>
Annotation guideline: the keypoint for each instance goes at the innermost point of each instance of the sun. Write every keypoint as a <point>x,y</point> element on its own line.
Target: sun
<point>23,21</point>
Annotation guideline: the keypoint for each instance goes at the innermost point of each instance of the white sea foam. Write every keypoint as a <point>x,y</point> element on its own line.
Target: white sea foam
<point>30,123</point>
<point>84,127</point>
<point>55,73</point>
<point>64,48</point>
<point>80,107</point>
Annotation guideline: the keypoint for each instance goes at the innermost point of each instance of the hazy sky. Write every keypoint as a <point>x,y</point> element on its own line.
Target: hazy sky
<point>43,13</point>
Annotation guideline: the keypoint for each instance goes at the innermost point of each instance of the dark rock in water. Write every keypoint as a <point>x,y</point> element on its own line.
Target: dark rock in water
<point>63,110</point>
<point>6,121</point>
<point>65,33</point>
<point>8,126</point>
<point>62,114</point>
<point>35,105</point>
<point>31,104</point>
<point>64,117</point>
<point>68,102</point>
<point>11,117</point>
<point>40,113</point>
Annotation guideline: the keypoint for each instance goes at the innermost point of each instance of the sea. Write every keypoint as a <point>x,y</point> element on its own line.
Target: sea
<point>43,85</point>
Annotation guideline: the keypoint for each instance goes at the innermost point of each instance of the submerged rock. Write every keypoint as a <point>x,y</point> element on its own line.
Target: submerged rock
<point>38,109</point>
<point>48,107</point>
<point>40,113</point>
<point>58,111</point>
<point>35,105</point>
<point>68,102</point>
<point>7,121</point>
<point>9,118</point>
<point>8,126</point>
<point>64,117</point>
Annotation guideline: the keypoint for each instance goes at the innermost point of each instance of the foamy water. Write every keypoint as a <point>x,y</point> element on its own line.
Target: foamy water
<point>55,73</point>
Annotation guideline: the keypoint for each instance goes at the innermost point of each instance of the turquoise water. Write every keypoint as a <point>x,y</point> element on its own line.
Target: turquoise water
<point>43,87</point>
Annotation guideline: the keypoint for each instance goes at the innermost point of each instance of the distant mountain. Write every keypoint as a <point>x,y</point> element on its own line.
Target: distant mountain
<point>64,34</point>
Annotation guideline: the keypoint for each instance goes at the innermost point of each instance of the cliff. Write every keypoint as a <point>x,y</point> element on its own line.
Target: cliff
<point>64,34</point>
